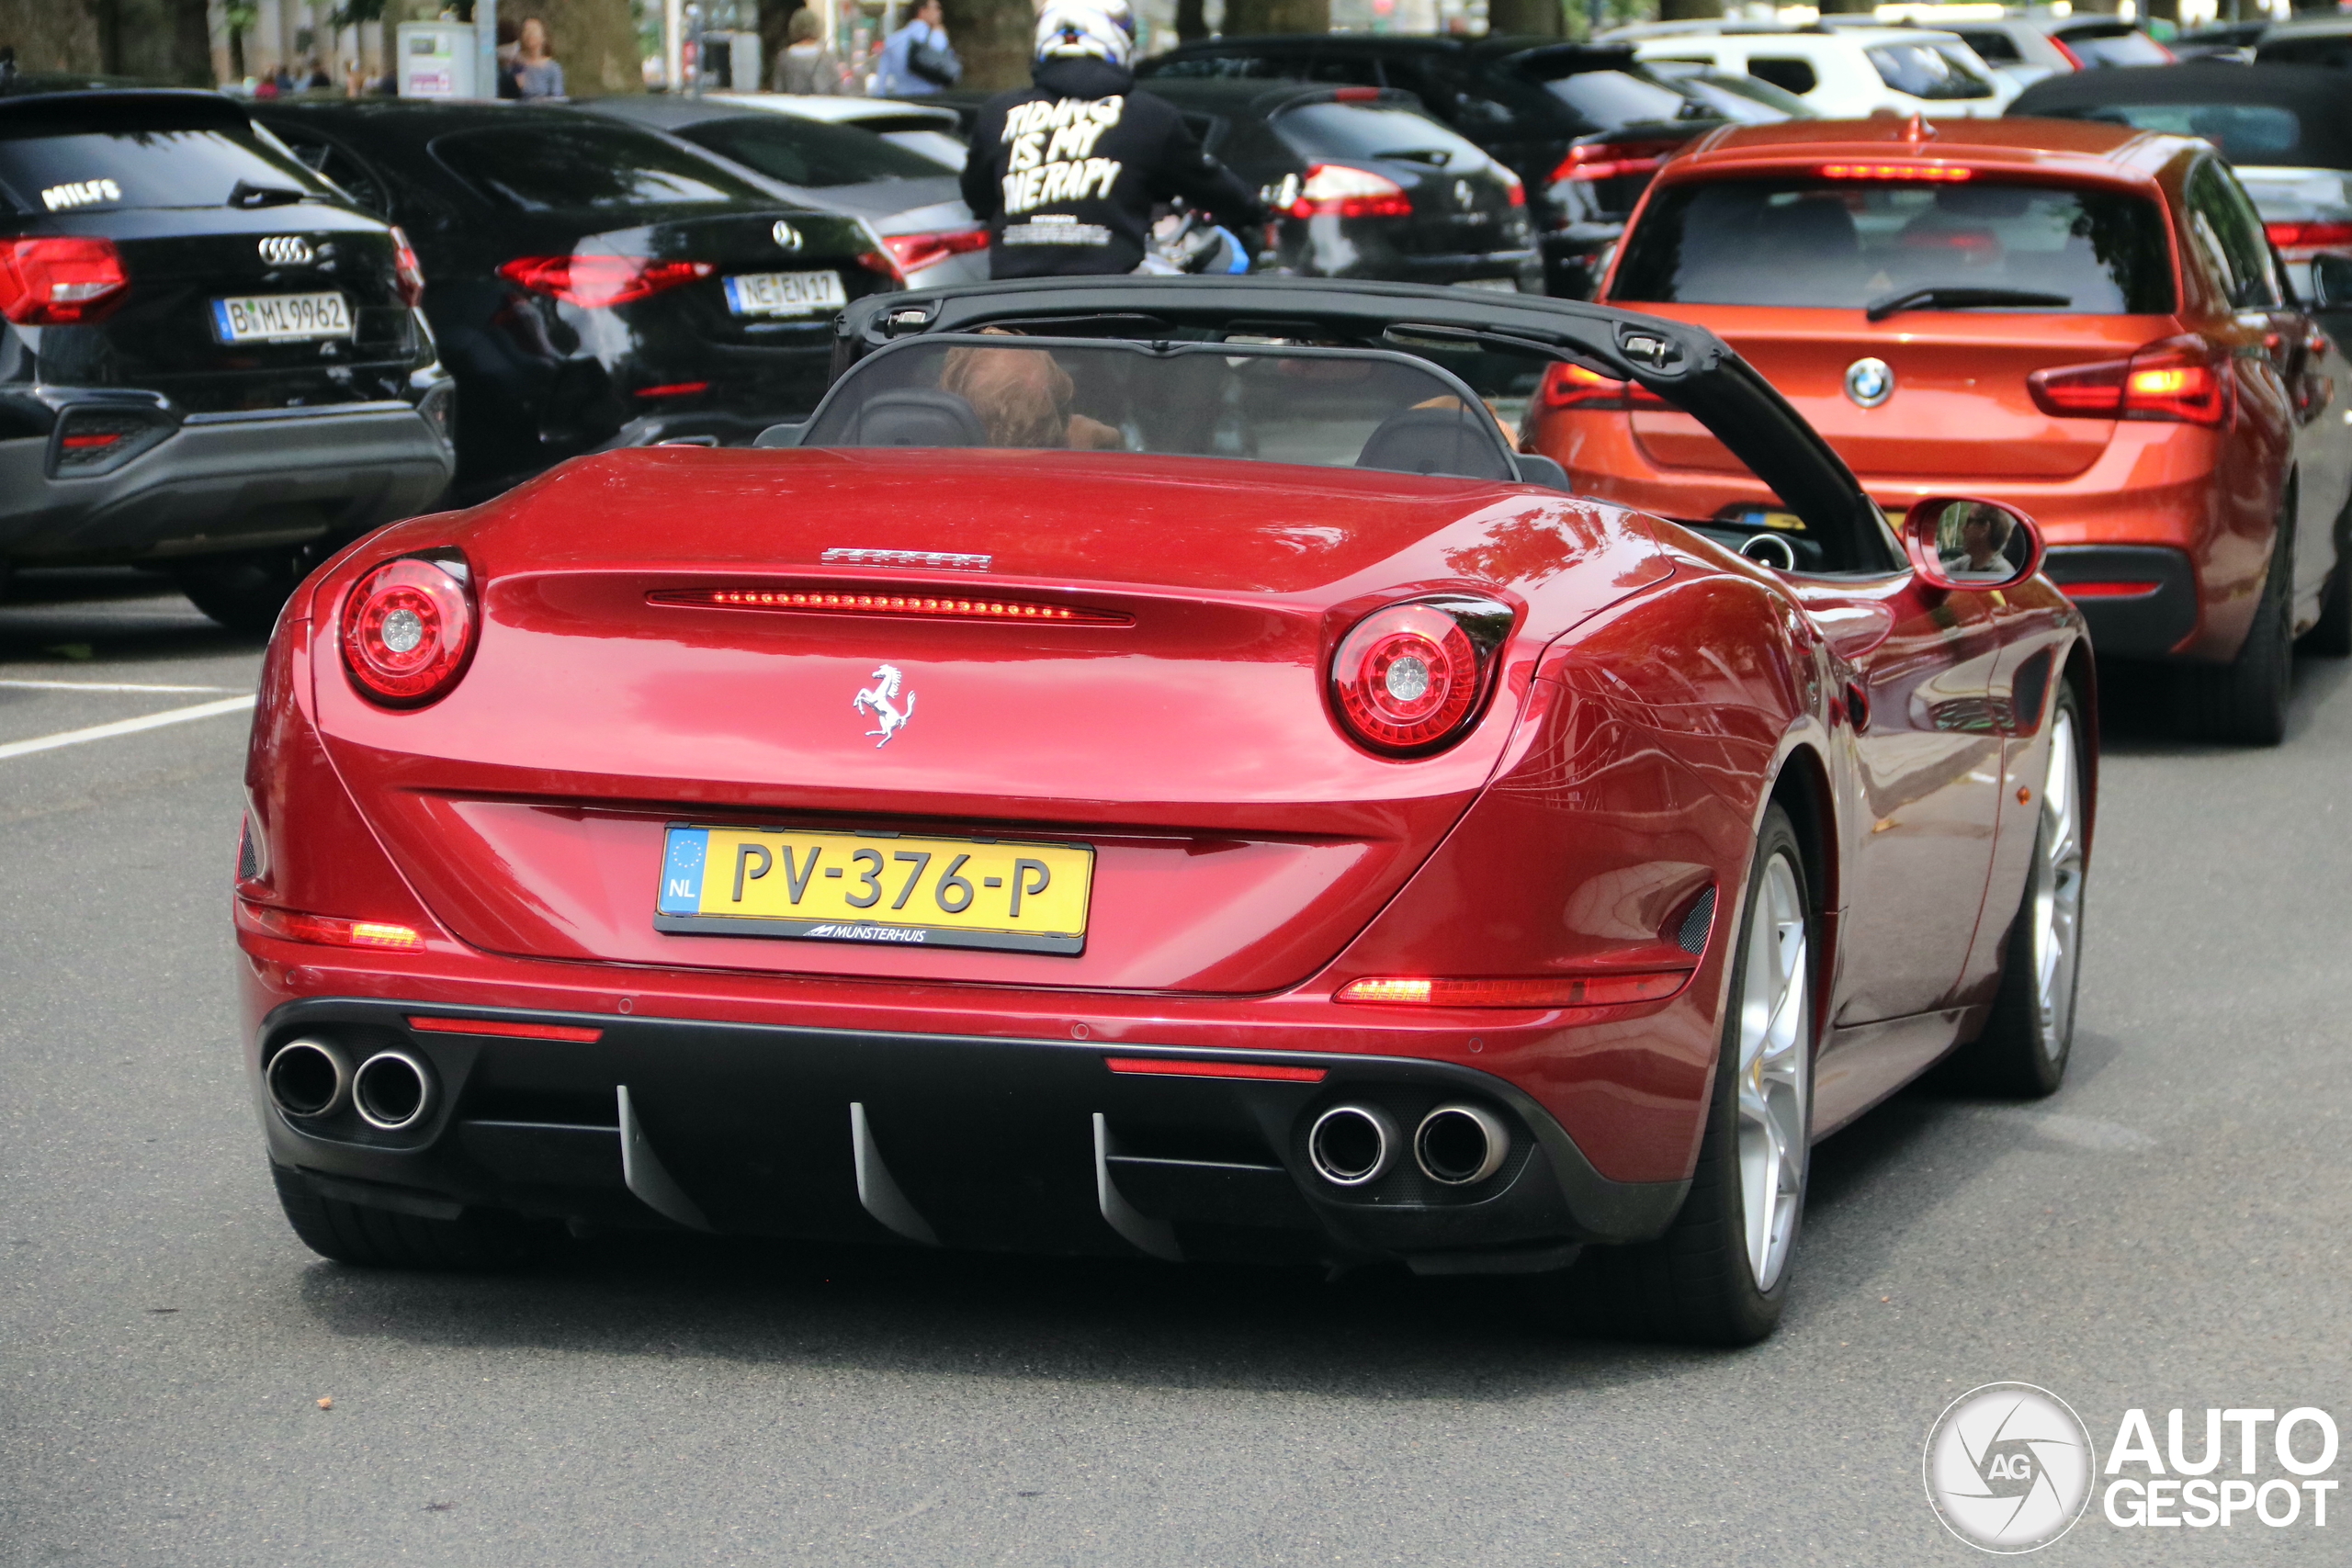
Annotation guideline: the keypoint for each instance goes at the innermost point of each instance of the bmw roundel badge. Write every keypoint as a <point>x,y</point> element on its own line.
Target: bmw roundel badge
<point>1869,382</point>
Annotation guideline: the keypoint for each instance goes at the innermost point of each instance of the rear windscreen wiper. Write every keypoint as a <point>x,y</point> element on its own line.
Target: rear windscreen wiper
<point>1954,299</point>
<point>244,194</point>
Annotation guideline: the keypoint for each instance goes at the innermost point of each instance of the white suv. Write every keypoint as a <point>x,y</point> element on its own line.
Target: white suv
<point>1851,72</point>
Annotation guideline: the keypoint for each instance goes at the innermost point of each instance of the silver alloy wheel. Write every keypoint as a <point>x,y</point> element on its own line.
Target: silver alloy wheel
<point>1774,1124</point>
<point>2058,889</point>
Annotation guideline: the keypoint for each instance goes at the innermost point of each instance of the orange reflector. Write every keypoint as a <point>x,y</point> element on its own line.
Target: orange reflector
<point>1943,172</point>
<point>505,1029</point>
<point>2106,590</point>
<point>337,932</point>
<point>1586,991</point>
<point>1161,1067</point>
<point>937,606</point>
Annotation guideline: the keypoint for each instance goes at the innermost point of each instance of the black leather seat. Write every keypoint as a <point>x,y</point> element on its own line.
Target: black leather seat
<point>1457,441</point>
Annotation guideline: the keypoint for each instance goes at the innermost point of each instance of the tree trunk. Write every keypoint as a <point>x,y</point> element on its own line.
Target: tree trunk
<point>992,37</point>
<point>1243,17</point>
<point>50,36</point>
<point>1538,18</point>
<point>1846,8</point>
<point>1191,22</point>
<point>1695,10</point>
<point>191,44</point>
<point>594,40</point>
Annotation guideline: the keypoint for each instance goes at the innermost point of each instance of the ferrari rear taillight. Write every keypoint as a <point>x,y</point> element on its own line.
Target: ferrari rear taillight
<point>1574,386</point>
<point>408,628</point>
<point>2181,380</point>
<point>60,282</point>
<point>600,282</point>
<point>1613,159</point>
<point>856,602</point>
<point>1536,991</point>
<point>408,273</point>
<point>915,252</point>
<point>1338,189</point>
<point>1407,679</point>
<point>334,930</point>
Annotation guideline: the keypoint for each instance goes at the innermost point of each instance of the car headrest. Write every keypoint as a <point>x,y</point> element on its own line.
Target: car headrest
<point>921,418</point>
<point>1458,442</point>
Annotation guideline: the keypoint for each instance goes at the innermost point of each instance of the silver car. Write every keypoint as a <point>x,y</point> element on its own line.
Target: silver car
<point>911,200</point>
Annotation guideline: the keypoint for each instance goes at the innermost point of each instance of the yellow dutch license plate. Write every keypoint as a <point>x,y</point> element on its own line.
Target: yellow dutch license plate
<point>1021,897</point>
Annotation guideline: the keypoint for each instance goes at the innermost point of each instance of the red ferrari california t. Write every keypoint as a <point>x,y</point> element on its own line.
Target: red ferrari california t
<point>1148,768</point>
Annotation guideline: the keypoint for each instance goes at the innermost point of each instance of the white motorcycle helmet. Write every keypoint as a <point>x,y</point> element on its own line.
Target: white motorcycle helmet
<point>1077,29</point>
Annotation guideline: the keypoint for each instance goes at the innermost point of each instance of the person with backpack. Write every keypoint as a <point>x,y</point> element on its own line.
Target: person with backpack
<point>1067,171</point>
<point>918,60</point>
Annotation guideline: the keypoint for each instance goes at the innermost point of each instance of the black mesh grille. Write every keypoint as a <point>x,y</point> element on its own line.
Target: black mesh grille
<point>1692,937</point>
<point>248,863</point>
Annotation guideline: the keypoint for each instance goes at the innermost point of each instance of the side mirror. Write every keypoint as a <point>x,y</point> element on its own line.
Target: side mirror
<point>1958,541</point>
<point>2332,283</point>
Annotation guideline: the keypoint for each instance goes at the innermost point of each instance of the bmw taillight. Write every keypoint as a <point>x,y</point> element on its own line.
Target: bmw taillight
<point>60,282</point>
<point>600,282</point>
<point>915,252</point>
<point>1338,190</point>
<point>2300,242</point>
<point>408,628</point>
<point>1574,386</point>
<point>2181,380</point>
<point>1409,680</point>
<point>407,271</point>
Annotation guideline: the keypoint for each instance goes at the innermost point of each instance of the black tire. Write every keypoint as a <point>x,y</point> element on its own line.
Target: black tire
<point>2331,635</point>
<point>2244,701</point>
<point>369,1237</point>
<point>2022,1052</point>
<point>1695,1285</point>
<point>244,591</point>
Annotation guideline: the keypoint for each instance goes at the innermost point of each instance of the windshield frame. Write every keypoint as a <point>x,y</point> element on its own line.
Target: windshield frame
<point>1169,350</point>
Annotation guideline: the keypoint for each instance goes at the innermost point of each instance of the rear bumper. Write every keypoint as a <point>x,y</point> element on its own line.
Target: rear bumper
<point>2139,600</point>
<point>1023,1144</point>
<point>226,482</point>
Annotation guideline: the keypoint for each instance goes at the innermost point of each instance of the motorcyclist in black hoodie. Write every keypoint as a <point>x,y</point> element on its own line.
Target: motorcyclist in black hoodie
<point>1066,172</point>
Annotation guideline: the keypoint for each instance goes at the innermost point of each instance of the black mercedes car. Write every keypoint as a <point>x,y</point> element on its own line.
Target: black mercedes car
<point>593,283</point>
<point>210,363</point>
<point>1582,125</point>
<point>1362,183</point>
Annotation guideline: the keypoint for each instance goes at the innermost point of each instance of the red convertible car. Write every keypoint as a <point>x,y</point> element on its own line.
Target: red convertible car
<point>1149,769</point>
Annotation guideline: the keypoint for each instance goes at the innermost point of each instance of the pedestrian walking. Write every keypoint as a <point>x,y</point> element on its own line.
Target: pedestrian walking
<point>808,64</point>
<point>536,74</point>
<point>917,59</point>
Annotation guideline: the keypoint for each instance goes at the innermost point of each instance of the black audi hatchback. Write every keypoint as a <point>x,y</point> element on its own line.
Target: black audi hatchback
<point>593,283</point>
<point>1362,183</point>
<point>210,364</point>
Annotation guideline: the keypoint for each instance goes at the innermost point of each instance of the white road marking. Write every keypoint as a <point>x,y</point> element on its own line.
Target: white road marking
<point>124,727</point>
<point>102,686</point>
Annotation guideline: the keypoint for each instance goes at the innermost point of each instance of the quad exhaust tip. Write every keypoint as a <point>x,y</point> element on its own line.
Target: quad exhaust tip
<point>391,1090</point>
<point>1460,1145</point>
<point>308,1079</point>
<point>1352,1144</point>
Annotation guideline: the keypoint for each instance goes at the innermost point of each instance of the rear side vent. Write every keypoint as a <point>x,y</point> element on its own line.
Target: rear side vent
<point>1692,938</point>
<point>100,440</point>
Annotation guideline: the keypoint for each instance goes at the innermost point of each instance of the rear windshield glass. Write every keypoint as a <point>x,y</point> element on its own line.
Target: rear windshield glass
<point>1929,71</point>
<point>2117,45</point>
<point>1330,408</point>
<point>575,167</point>
<point>109,172</point>
<point>1746,99</point>
<point>1611,99</point>
<point>1364,131</point>
<point>1848,245</point>
<point>2318,49</point>
<point>1992,45</point>
<point>810,152</point>
<point>2247,133</point>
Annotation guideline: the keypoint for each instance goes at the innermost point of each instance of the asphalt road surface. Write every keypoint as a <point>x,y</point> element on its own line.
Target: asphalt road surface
<point>2168,1231</point>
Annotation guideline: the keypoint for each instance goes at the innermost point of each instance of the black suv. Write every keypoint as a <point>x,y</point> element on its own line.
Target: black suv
<point>210,363</point>
<point>1583,125</point>
<point>595,283</point>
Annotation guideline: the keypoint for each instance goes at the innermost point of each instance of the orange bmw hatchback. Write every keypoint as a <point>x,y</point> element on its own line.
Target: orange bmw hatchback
<point>2082,321</point>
